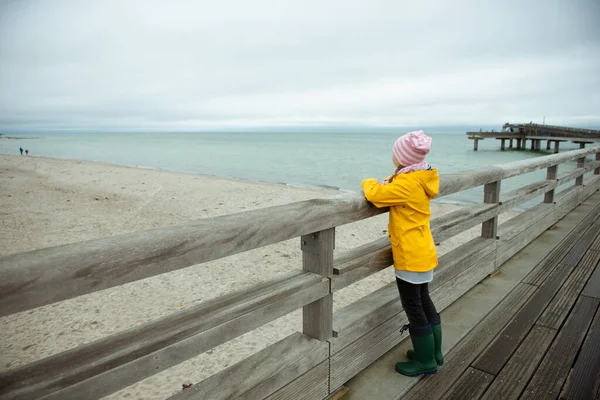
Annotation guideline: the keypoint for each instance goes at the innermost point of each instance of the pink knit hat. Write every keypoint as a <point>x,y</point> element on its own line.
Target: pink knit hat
<point>412,148</point>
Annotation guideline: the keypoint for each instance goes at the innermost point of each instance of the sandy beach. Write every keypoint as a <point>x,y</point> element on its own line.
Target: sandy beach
<point>48,202</point>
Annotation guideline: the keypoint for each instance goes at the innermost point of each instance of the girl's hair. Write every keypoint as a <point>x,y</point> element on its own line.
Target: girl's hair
<point>396,173</point>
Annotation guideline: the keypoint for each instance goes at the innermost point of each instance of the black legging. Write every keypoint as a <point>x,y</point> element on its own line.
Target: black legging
<point>417,303</point>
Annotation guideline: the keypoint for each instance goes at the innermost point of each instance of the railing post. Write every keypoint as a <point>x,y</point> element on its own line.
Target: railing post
<point>580,164</point>
<point>597,170</point>
<point>491,195</point>
<point>317,257</point>
<point>551,175</point>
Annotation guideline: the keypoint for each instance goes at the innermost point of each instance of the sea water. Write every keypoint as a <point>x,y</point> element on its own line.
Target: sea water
<point>312,159</point>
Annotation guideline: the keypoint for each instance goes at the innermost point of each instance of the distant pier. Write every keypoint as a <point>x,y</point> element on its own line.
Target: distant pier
<point>517,135</point>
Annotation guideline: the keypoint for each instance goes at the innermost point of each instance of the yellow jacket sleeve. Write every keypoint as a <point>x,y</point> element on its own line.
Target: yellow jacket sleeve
<point>388,195</point>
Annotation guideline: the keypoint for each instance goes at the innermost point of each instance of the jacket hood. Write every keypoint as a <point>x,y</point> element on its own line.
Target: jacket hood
<point>429,181</point>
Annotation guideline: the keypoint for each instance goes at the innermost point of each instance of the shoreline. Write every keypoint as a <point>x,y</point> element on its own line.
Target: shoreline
<point>230,178</point>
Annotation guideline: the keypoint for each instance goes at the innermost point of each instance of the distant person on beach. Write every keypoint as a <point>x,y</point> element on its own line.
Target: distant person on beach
<point>26,152</point>
<point>408,193</point>
<point>21,150</point>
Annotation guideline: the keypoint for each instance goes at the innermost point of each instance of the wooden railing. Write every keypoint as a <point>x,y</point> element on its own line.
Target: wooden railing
<point>332,348</point>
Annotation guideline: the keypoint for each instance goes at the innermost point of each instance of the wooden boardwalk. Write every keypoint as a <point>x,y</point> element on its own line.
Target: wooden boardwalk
<point>542,341</point>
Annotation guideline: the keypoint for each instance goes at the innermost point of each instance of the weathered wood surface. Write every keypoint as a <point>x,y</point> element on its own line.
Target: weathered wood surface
<point>550,175</point>
<point>497,354</point>
<point>552,372</point>
<point>263,373</point>
<point>509,247</point>
<point>591,185</point>
<point>545,267</point>
<point>470,386</point>
<point>119,360</point>
<point>584,380</point>
<point>574,256</point>
<point>450,225</point>
<point>515,226</point>
<point>592,289</point>
<point>580,164</point>
<point>491,195</point>
<point>515,234</point>
<point>559,308</point>
<point>461,356</point>
<point>519,196</point>
<point>514,376</point>
<point>358,318</point>
<point>52,274</point>
<point>81,268</point>
<point>312,385</point>
<point>569,176</point>
<point>453,183</point>
<point>317,257</point>
<point>359,354</point>
<point>380,257</point>
<point>363,315</point>
<point>361,255</point>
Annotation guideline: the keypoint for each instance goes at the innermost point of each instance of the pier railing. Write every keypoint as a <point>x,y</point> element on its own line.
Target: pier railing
<point>333,347</point>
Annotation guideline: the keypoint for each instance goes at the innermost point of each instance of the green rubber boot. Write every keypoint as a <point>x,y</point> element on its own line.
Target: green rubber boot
<point>436,327</point>
<point>423,362</point>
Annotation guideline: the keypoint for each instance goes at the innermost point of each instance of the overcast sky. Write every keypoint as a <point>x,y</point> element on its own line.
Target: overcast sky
<point>187,65</point>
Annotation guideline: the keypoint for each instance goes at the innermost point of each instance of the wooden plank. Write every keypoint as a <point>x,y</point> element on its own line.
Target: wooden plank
<point>551,175</point>
<point>377,255</point>
<point>584,380</point>
<point>310,386</point>
<point>263,373</point>
<point>526,193</point>
<point>591,185</point>
<point>491,195</point>
<point>317,257</point>
<point>575,255</point>
<point>45,276</point>
<point>471,385</point>
<point>514,376</point>
<point>552,372</point>
<point>570,195</point>
<point>592,289</point>
<point>559,307</point>
<point>596,244</point>
<point>360,317</point>
<point>465,255</point>
<point>458,360</point>
<point>52,274</point>
<point>452,224</point>
<point>117,361</point>
<point>515,226</point>
<point>576,172</point>
<point>580,164</point>
<point>528,232</point>
<point>545,267</point>
<point>353,358</point>
<point>363,255</point>
<point>495,356</point>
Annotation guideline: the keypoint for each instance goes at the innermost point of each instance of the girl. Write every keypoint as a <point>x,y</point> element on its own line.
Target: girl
<point>407,193</point>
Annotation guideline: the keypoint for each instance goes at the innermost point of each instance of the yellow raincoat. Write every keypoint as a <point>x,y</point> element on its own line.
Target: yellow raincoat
<point>408,197</point>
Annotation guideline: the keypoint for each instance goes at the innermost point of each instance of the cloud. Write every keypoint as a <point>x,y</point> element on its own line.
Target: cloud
<point>155,65</point>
